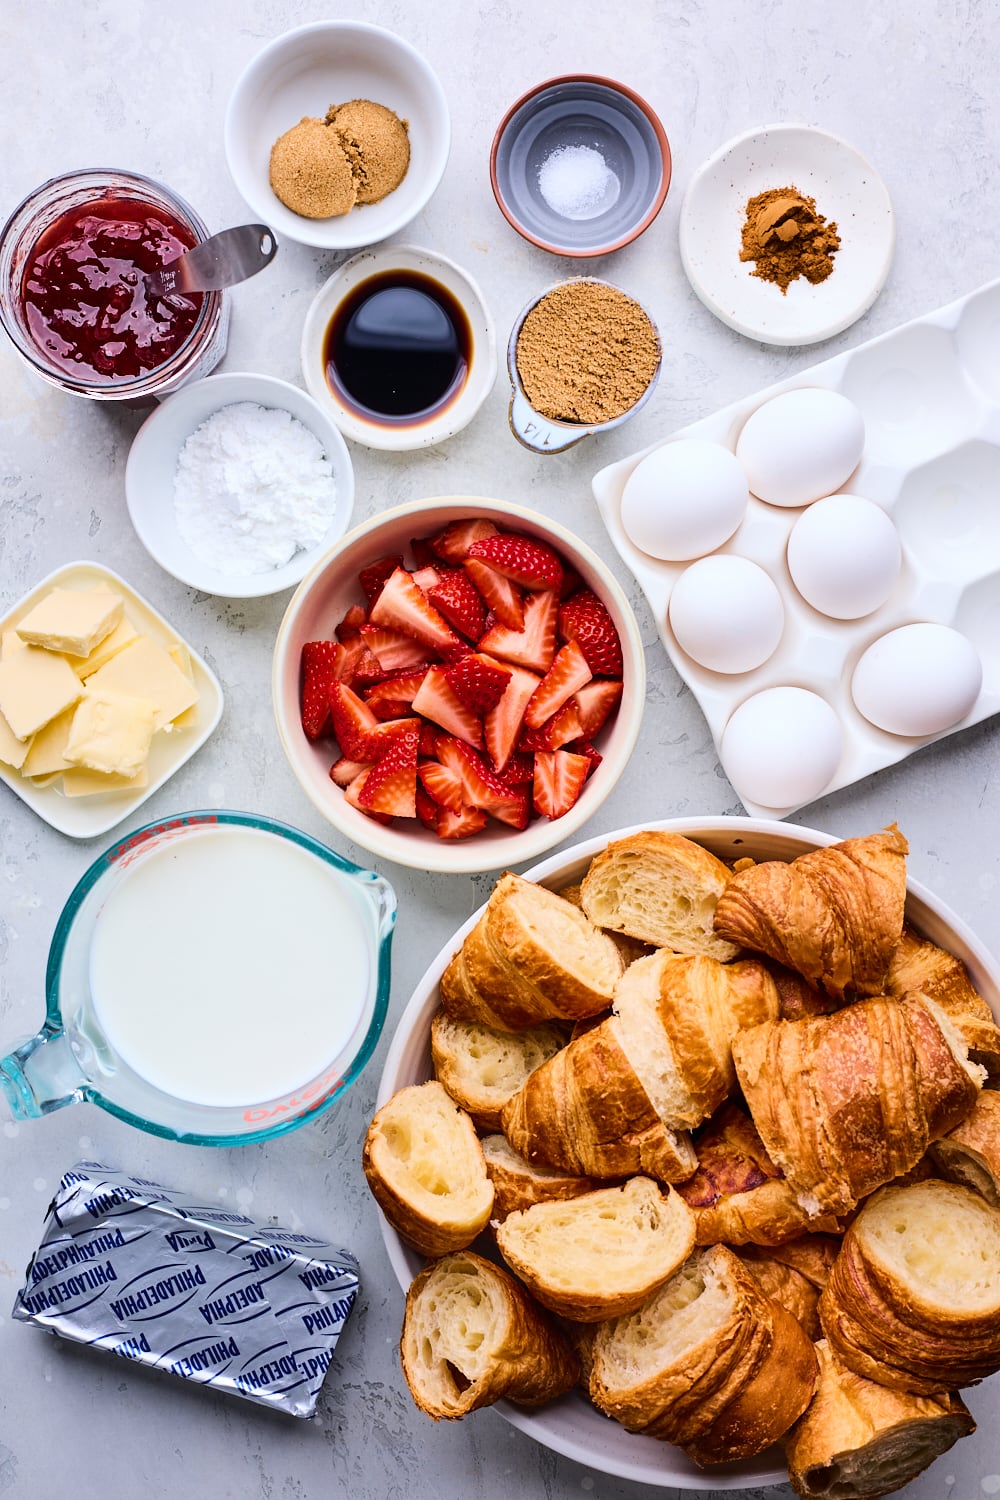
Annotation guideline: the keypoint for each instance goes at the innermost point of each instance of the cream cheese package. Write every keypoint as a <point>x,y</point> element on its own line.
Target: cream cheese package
<point>150,1274</point>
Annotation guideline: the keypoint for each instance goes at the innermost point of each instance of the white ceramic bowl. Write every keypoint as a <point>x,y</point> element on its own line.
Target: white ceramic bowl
<point>152,463</point>
<point>302,73</point>
<point>571,1426</point>
<point>323,598</point>
<point>440,424</point>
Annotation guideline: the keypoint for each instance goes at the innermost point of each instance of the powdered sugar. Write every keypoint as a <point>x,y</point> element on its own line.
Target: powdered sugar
<point>252,487</point>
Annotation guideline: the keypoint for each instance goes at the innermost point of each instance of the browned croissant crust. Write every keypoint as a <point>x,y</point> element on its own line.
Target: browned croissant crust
<point>913,1299</point>
<point>858,1441</point>
<point>784,1285</point>
<point>517,1184</point>
<point>738,1195</point>
<point>602,1254</point>
<point>532,957</point>
<point>919,965</point>
<point>709,1363</point>
<point>833,915</point>
<point>424,1165</point>
<point>585,1112</point>
<point>472,1335</point>
<point>847,1102</point>
<point>971,1152</point>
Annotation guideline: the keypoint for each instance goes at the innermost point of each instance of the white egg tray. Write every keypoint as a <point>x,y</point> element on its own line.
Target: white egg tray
<point>929,393</point>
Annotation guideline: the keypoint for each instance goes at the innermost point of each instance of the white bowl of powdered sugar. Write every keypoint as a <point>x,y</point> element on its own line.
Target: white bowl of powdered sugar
<point>237,483</point>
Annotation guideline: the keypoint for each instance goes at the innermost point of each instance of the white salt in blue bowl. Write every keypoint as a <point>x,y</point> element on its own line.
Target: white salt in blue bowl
<point>580,166</point>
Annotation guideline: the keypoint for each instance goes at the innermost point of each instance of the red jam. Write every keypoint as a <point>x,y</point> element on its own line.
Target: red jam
<point>85,299</point>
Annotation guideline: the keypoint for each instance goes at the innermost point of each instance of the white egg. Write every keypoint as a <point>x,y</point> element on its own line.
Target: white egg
<point>726,613</point>
<point>782,747</point>
<point>801,445</point>
<point>844,556</point>
<point>917,680</point>
<point>684,499</point>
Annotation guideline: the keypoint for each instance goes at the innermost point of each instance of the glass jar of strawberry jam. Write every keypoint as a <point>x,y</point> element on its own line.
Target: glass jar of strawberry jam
<point>73,261</point>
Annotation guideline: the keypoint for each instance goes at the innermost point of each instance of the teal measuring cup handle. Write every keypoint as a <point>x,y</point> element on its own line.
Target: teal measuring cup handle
<point>39,1076</point>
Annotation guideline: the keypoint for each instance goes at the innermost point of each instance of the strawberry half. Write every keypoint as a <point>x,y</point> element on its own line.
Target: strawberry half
<point>596,701</point>
<point>479,681</point>
<point>437,700</point>
<point>353,722</point>
<point>344,771</point>
<point>391,785</point>
<point>456,597</point>
<point>584,618</point>
<point>558,781</point>
<point>503,597</point>
<point>569,672</point>
<point>563,726</point>
<point>534,645</point>
<point>394,650</point>
<point>395,692</point>
<point>524,561</point>
<point>454,541</point>
<point>481,786</point>
<point>318,660</point>
<point>443,784</point>
<point>461,824</point>
<point>502,725</point>
<point>402,605</point>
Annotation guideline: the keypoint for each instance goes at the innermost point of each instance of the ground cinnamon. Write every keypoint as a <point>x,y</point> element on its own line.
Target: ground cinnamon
<point>786,237</point>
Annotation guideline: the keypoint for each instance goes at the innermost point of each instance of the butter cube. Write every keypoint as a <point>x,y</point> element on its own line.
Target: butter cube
<point>46,754</point>
<point>146,670</point>
<point>71,620</point>
<point>12,750</point>
<point>79,782</point>
<point>110,732</point>
<point>35,685</point>
<point>123,635</point>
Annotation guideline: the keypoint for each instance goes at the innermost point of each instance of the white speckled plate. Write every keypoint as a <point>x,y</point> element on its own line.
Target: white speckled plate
<point>848,191</point>
<point>88,817</point>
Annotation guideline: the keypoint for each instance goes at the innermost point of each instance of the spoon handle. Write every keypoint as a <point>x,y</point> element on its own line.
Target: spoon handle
<point>225,259</point>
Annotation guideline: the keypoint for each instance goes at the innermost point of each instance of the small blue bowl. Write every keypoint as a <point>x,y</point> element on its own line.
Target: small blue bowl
<point>546,166</point>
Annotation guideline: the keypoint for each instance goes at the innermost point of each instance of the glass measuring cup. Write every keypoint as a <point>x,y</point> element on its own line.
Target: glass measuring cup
<point>78,1056</point>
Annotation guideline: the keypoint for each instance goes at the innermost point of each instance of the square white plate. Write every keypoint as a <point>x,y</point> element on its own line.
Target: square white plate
<point>87,817</point>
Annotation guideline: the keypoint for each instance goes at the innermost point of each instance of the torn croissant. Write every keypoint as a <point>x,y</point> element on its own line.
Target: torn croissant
<point>834,915</point>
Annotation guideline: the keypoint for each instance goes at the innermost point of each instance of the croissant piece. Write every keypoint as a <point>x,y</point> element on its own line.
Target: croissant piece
<point>661,888</point>
<point>517,1183</point>
<point>532,957</point>
<point>585,1112</point>
<point>847,1102</point>
<point>858,1441</point>
<point>786,1286</point>
<point>913,1299</point>
<point>629,948</point>
<point>482,1068</point>
<point>970,1153</point>
<point>602,1254</point>
<point>738,1195</point>
<point>424,1165</point>
<point>834,915</point>
<point>919,965</point>
<point>709,1363</point>
<point>472,1335</point>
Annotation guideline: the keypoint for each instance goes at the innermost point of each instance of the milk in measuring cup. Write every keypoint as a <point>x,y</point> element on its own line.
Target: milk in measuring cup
<point>231,967</point>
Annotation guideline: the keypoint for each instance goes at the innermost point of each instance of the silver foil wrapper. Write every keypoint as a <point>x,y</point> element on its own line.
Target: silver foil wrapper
<point>212,1296</point>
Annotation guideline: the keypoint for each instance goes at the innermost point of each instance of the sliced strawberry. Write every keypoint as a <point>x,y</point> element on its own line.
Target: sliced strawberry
<point>456,597</point>
<point>443,784</point>
<point>394,650</point>
<point>568,673</point>
<point>367,668</point>
<point>563,726</point>
<point>437,700</point>
<point>559,779</point>
<point>395,692</point>
<point>403,606</point>
<point>372,579</point>
<point>596,702</point>
<point>317,661</point>
<point>454,541</point>
<point>353,722</point>
<point>534,645</point>
<point>585,619</point>
<point>584,747</point>
<point>344,771</point>
<point>533,565</point>
<point>353,791</point>
<point>427,809</point>
<point>481,786</point>
<point>351,623</point>
<point>502,725</point>
<point>422,554</point>
<point>503,597</point>
<point>461,824</point>
<point>519,770</point>
<point>391,786</point>
<point>425,578</point>
<point>389,730</point>
<point>479,681</point>
<point>348,657</point>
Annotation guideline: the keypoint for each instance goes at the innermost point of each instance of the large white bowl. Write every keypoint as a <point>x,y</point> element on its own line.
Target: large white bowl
<point>571,1426</point>
<point>323,598</point>
<point>302,73</point>
<point>152,464</point>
